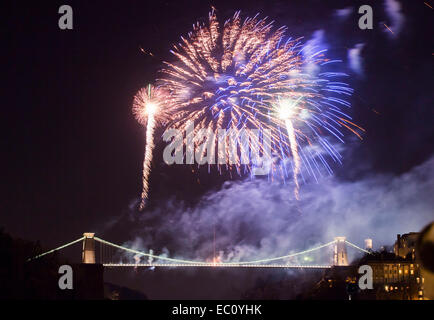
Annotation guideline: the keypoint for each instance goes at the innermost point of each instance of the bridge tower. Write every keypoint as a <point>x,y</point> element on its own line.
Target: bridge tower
<point>88,255</point>
<point>340,257</point>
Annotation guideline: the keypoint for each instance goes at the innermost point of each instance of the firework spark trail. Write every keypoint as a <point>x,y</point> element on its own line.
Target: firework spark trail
<point>388,28</point>
<point>296,157</point>
<point>287,111</point>
<point>147,108</point>
<point>147,159</point>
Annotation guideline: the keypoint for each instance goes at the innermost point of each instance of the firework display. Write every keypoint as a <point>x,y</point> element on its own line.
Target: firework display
<point>246,74</point>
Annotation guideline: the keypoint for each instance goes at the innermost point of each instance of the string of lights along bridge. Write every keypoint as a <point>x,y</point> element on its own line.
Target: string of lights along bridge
<point>109,256</point>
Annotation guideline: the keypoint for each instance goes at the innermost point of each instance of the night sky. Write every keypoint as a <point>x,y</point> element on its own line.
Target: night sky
<point>73,151</point>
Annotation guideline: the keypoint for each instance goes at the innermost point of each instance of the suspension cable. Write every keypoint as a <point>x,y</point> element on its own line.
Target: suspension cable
<point>207,263</point>
<point>357,247</point>
<point>56,249</point>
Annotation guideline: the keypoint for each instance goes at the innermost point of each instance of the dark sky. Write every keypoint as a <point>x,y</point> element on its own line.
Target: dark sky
<point>73,150</point>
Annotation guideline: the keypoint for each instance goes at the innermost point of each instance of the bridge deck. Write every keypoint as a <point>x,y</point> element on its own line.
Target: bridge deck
<point>216,265</point>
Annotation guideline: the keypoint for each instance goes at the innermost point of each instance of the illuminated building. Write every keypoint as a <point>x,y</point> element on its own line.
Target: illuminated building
<point>406,244</point>
<point>397,280</point>
<point>396,276</point>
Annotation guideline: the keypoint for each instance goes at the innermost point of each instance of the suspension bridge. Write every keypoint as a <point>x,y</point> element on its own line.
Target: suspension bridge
<point>109,256</point>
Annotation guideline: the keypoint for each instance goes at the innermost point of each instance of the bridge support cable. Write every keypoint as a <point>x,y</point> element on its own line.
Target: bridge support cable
<point>197,263</point>
<point>282,257</point>
<point>56,249</point>
<point>357,247</point>
<point>146,254</point>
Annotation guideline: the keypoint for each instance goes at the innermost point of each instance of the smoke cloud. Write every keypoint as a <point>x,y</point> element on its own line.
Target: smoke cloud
<point>355,59</point>
<point>257,219</point>
<point>393,10</point>
<point>344,13</point>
